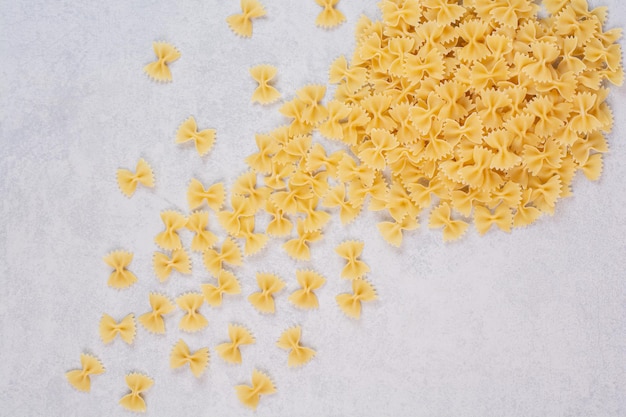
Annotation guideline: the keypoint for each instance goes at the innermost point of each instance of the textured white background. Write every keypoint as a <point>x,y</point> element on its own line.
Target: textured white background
<point>527,324</point>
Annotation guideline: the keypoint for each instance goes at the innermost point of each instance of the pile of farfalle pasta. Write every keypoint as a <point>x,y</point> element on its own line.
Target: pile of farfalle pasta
<point>450,112</point>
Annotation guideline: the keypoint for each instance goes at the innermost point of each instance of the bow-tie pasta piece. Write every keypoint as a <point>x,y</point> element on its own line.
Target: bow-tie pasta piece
<point>120,277</point>
<point>280,225</point>
<point>269,285</point>
<point>138,384</point>
<point>203,239</point>
<point>239,336</point>
<point>330,16</point>
<point>298,354</point>
<point>241,23</point>
<point>182,356</point>
<point>264,93</point>
<point>313,112</point>
<point>128,180</point>
<point>203,140</point>
<point>484,218</point>
<point>169,238</point>
<point>230,254</point>
<point>250,395</point>
<point>197,194</point>
<point>392,231</point>
<point>193,320</point>
<point>298,248</point>
<point>350,304</point>
<point>353,77</point>
<point>159,69</point>
<point>261,162</point>
<point>227,283</point>
<point>163,264</point>
<point>109,328</point>
<point>336,197</point>
<point>441,217</point>
<point>254,242</point>
<point>305,297</point>
<point>231,220</point>
<point>81,378</point>
<point>153,320</point>
<point>246,186</point>
<point>350,251</point>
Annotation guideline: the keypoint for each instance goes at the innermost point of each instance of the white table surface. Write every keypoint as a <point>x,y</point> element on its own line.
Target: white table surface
<point>531,323</point>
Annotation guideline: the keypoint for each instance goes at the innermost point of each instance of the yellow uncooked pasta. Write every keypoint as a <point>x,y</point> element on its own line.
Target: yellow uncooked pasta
<point>227,283</point>
<point>169,238</point>
<point>203,239</point>
<point>120,277</point>
<point>269,284</point>
<point>230,254</point>
<point>197,194</point>
<point>241,23</point>
<point>355,268</point>
<point>264,93</point>
<point>203,140</point>
<point>138,384</point>
<point>81,378</point>
<point>110,329</point>
<point>305,296</point>
<point>153,320</point>
<point>330,16</point>
<point>249,395</point>
<point>197,361</point>
<point>230,351</point>
<point>159,70</point>
<point>350,304</point>
<point>128,180</point>
<point>193,320</point>
<point>164,264</point>
<point>298,354</point>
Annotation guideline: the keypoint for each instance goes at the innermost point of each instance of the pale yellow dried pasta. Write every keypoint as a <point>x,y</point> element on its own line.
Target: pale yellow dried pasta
<point>269,284</point>
<point>350,304</point>
<point>166,54</point>
<point>330,16</point>
<point>305,297</point>
<point>153,320</point>
<point>229,253</point>
<point>241,23</point>
<point>203,140</point>
<point>250,395</point>
<point>120,277</point>
<point>197,194</point>
<point>264,93</point>
<point>227,283</point>
<point>355,268</point>
<point>181,356</point>
<point>193,320</point>
<point>138,384</point>
<point>109,329</point>
<point>164,265</point>
<point>298,354</point>
<point>203,238</point>
<point>128,180</point>
<point>239,336</point>
<point>169,238</point>
<point>298,248</point>
<point>81,378</point>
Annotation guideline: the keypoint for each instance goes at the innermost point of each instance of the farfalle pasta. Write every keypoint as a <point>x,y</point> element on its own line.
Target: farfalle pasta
<point>203,238</point>
<point>193,320</point>
<point>229,254</point>
<point>350,251</point>
<point>305,296</point>
<point>350,304</point>
<point>159,70</point>
<point>197,195</point>
<point>203,140</point>
<point>153,321</point>
<point>298,354</point>
<point>264,93</point>
<point>128,180</point>
<point>330,16</point>
<point>239,336</point>
<point>181,356</point>
<point>261,385</point>
<point>269,284</point>
<point>241,23</point>
<point>227,283</point>
<point>110,329</point>
<point>81,378</point>
<point>298,248</point>
<point>169,238</point>
<point>164,265</point>
<point>138,384</point>
<point>120,277</point>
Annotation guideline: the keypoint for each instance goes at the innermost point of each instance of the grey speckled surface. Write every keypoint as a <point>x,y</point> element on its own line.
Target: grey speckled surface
<point>527,324</point>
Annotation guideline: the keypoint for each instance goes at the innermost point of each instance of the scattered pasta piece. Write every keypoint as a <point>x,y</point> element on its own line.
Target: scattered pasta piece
<point>128,180</point>
<point>192,321</point>
<point>159,69</point>
<point>120,277</point>
<point>298,248</point>
<point>241,24</point>
<point>230,351</point>
<point>298,354</point>
<point>203,239</point>
<point>350,251</point>
<point>137,383</point>
<point>169,238</point>
<point>230,254</point>
<point>163,264</point>
<point>197,194</point>
<point>350,304</point>
<point>81,378</point>
<point>440,217</point>
<point>231,220</point>
<point>109,329</point>
<point>329,17</point>
<point>153,320</point>
<point>254,242</point>
<point>250,395</point>
<point>269,285</point>
<point>181,356</point>
<point>203,139</point>
<point>305,297</point>
<point>264,93</point>
<point>227,283</point>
